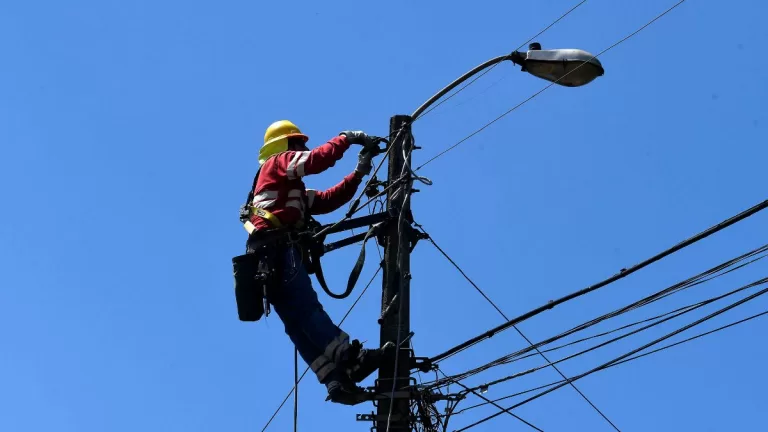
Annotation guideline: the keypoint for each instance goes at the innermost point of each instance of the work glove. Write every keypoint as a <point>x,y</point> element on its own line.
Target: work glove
<point>364,165</point>
<point>361,138</point>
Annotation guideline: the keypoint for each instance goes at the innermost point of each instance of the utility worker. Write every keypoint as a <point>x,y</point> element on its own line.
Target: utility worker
<point>279,199</point>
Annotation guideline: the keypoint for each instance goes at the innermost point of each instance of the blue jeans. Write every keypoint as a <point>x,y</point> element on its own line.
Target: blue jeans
<point>319,341</point>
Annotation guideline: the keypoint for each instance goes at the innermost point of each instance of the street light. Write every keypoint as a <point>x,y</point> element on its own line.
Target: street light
<point>567,67</point>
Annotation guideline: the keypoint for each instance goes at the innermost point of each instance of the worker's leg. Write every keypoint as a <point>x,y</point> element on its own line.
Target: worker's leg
<point>313,333</point>
<point>299,308</point>
<point>340,388</point>
<point>322,366</point>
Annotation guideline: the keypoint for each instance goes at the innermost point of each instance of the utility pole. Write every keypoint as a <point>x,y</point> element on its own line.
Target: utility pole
<point>396,296</point>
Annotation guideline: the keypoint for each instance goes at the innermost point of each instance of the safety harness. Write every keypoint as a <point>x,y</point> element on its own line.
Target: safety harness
<point>258,272</point>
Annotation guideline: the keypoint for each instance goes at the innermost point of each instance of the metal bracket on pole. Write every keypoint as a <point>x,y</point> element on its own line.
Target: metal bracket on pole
<point>423,364</point>
<point>355,223</point>
<point>353,239</point>
<point>414,237</point>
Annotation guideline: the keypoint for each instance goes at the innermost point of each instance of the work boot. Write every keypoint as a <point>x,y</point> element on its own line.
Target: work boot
<point>362,362</point>
<point>345,392</point>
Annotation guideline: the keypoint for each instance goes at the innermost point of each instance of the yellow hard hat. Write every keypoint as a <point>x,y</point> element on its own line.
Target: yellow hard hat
<point>276,139</point>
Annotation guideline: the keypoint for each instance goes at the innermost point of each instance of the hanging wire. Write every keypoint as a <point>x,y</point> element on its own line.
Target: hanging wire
<point>546,87</point>
<point>520,332</point>
<point>355,207</point>
<point>638,356</point>
<point>609,332</point>
<point>616,339</point>
<point>622,274</point>
<point>296,390</point>
<point>474,392</point>
<point>713,273</point>
<point>352,212</point>
<point>627,355</point>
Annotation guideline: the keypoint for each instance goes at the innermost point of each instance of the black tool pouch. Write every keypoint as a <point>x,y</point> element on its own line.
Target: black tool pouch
<point>249,287</point>
<point>257,275</point>
<point>254,274</point>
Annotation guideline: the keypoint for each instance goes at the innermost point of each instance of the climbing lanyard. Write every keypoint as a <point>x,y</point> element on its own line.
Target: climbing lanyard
<point>317,249</point>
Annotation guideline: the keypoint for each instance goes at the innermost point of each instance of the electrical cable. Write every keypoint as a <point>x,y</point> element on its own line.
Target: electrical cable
<point>492,67</point>
<point>618,338</point>
<point>547,87</point>
<point>474,392</point>
<point>622,274</point>
<point>694,281</point>
<point>354,206</point>
<point>296,390</point>
<point>354,211</point>
<point>605,333</point>
<point>531,390</point>
<point>627,360</point>
<point>296,386</point>
<point>628,354</point>
<point>715,272</point>
<point>624,327</point>
<point>656,298</point>
<point>468,279</point>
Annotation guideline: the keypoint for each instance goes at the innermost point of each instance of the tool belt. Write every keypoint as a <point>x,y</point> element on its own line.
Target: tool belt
<point>258,273</point>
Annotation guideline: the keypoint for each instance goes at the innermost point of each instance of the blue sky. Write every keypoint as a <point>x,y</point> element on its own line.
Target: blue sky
<point>129,136</point>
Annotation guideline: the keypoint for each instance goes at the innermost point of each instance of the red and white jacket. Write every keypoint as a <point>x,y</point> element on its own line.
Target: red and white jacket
<point>281,191</point>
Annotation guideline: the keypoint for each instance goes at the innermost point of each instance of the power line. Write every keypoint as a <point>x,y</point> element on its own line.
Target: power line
<point>295,387</point>
<point>618,338</point>
<point>657,350</point>
<point>606,333</point>
<point>492,403</point>
<point>622,274</point>
<point>627,355</point>
<point>431,240</point>
<point>706,276</point>
<point>494,66</point>
<point>547,87</point>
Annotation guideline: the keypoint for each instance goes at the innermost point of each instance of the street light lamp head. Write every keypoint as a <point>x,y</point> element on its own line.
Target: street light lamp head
<point>567,67</point>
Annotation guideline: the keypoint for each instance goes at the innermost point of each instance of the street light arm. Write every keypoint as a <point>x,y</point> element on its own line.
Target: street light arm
<point>420,110</point>
<point>566,67</point>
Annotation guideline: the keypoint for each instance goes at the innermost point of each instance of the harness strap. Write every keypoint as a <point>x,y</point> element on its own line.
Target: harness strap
<point>265,214</point>
<point>314,247</point>
<point>316,251</point>
<point>247,210</point>
<point>358,268</point>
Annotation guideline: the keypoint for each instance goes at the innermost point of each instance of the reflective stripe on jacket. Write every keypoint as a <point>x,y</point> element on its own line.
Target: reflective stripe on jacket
<point>281,190</point>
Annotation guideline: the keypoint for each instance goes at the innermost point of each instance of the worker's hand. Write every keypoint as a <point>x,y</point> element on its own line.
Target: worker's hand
<point>361,138</point>
<point>364,165</point>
